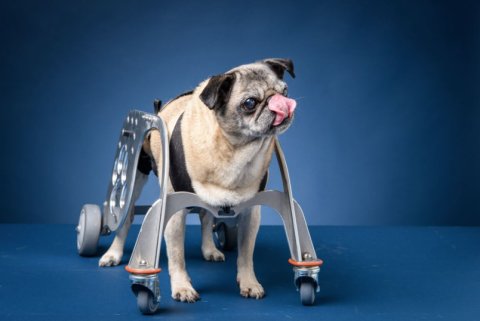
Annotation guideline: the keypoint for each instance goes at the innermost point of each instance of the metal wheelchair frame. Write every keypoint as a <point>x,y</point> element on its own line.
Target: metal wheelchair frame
<point>144,261</point>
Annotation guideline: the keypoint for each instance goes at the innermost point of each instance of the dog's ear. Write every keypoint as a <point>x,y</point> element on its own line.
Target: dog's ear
<point>279,65</point>
<point>217,92</point>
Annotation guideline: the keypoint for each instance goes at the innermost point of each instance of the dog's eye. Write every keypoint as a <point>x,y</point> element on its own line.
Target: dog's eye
<point>250,104</point>
<point>285,91</point>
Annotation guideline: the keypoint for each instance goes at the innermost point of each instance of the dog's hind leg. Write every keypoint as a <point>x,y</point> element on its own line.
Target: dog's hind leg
<point>114,254</point>
<point>182,289</point>
<point>248,224</point>
<point>209,250</point>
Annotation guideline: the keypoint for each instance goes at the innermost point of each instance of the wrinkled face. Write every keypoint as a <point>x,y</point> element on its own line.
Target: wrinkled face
<point>252,100</point>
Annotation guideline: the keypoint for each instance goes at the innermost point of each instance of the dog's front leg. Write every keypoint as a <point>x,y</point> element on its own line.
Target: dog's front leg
<point>182,289</point>
<point>114,254</point>
<point>248,224</point>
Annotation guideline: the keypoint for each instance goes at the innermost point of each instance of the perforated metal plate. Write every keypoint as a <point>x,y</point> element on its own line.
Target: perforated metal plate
<point>120,188</point>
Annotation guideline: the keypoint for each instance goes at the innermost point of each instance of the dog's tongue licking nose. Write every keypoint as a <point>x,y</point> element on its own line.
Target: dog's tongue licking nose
<point>282,106</point>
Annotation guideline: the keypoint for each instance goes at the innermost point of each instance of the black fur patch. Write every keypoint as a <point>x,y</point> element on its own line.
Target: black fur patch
<point>183,95</point>
<point>179,176</point>
<point>179,96</point>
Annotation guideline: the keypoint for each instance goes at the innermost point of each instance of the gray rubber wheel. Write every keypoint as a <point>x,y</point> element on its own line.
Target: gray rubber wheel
<point>226,236</point>
<point>88,229</point>
<point>307,292</point>
<point>146,303</point>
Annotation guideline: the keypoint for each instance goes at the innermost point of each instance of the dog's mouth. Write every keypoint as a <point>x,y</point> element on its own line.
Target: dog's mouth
<point>280,128</point>
<point>283,107</point>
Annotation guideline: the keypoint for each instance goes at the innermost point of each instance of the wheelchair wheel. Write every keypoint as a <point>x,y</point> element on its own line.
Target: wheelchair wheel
<point>225,236</point>
<point>307,292</point>
<point>145,302</point>
<point>88,230</point>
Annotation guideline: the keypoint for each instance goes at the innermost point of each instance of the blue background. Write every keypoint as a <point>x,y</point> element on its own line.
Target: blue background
<point>388,124</point>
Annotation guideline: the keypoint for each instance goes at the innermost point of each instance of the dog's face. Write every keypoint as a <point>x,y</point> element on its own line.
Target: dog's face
<point>251,101</point>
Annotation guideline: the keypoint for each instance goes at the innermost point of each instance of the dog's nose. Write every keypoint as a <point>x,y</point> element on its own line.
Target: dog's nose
<point>282,106</point>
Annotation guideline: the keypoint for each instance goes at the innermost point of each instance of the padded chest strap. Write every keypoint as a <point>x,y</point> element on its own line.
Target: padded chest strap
<point>179,177</point>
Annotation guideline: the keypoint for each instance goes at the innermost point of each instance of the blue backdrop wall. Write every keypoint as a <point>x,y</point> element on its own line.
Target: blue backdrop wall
<point>388,124</point>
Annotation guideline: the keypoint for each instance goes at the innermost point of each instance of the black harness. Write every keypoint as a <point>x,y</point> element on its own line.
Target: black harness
<point>179,176</point>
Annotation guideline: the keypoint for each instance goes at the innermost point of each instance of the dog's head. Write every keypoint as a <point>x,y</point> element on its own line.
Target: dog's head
<point>251,101</point>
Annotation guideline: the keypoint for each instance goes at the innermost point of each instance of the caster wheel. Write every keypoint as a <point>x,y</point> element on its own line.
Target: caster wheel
<point>226,236</point>
<point>307,292</point>
<point>88,229</point>
<point>146,303</point>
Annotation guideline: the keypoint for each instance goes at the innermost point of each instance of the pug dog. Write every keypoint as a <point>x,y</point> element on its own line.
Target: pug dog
<point>221,143</point>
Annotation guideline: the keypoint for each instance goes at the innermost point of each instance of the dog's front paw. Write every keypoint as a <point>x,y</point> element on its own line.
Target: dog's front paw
<point>184,293</point>
<point>111,258</point>
<point>213,254</point>
<point>250,288</point>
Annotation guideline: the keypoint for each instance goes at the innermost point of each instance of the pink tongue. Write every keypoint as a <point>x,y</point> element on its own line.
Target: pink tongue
<point>282,106</point>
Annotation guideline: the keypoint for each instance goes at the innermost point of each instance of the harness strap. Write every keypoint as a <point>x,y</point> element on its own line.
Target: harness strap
<point>179,177</point>
<point>263,183</point>
<point>145,165</point>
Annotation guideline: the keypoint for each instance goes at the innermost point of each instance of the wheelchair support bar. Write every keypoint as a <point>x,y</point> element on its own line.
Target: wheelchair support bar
<point>144,261</point>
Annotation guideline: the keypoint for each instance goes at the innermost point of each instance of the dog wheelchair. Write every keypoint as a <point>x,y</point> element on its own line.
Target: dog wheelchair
<point>144,261</point>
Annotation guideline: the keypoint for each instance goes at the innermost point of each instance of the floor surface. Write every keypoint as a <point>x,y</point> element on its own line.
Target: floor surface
<point>370,273</point>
